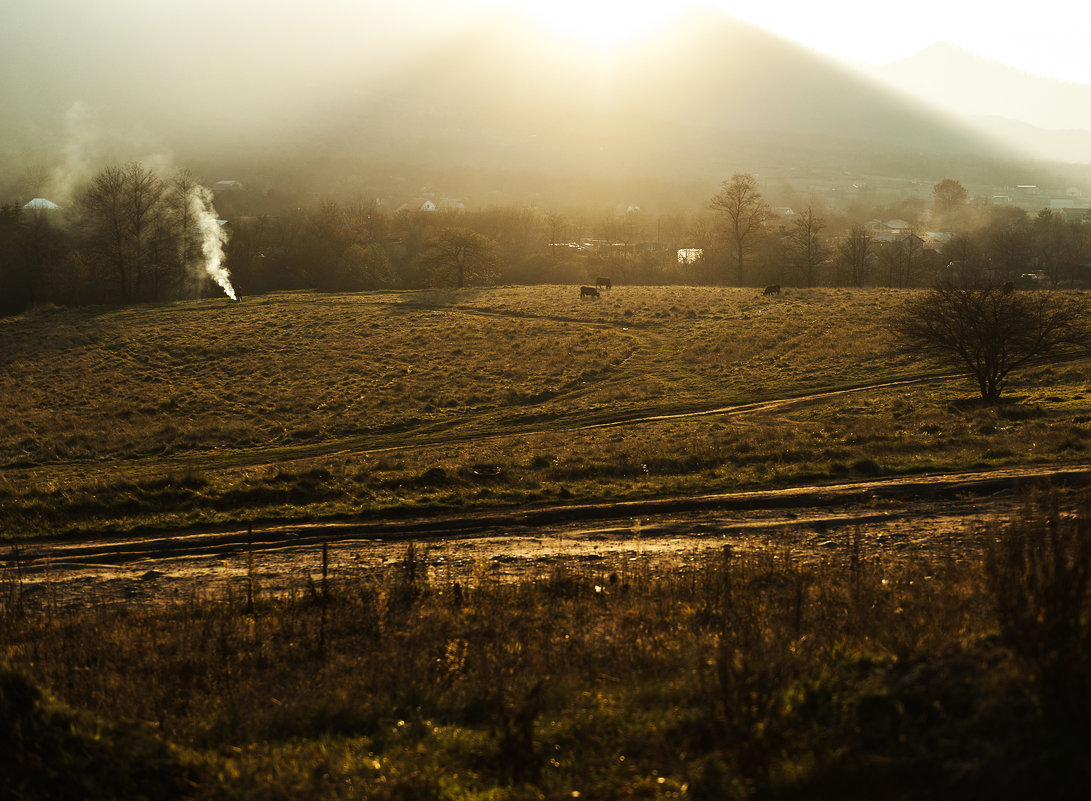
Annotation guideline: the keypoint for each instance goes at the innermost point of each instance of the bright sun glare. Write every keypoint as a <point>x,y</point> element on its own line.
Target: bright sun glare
<point>600,22</point>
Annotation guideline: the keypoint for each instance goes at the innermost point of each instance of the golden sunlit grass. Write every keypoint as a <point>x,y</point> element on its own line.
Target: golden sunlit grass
<point>312,405</point>
<point>954,673</point>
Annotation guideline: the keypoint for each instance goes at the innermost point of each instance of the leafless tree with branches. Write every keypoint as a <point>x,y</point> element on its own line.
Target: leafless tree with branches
<point>745,214</point>
<point>990,331</point>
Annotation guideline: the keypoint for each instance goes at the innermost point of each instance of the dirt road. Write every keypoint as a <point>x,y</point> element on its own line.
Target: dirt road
<point>921,516</point>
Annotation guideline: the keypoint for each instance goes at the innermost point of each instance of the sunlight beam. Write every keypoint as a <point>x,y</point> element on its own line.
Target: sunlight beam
<point>601,23</point>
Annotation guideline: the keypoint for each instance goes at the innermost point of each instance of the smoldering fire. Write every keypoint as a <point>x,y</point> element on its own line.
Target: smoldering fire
<point>213,239</point>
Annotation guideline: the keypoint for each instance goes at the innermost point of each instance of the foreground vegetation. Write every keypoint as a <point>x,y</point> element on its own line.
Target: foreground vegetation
<point>761,675</point>
<point>300,405</point>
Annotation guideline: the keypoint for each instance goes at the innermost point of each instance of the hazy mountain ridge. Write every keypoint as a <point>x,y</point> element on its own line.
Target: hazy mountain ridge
<point>1048,118</point>
<point>689,103</point>
<point>706,70</point>
<point>690,100</point>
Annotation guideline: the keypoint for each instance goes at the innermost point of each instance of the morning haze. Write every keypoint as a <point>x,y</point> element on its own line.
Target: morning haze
<point>248,92</point>
<point>409,404</point>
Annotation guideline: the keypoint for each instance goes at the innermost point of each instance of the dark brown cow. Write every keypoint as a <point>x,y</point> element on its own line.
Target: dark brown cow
<point>588,292</point>
<point>603,283</point>
<point>1007,287</point>
<point>772,289</point>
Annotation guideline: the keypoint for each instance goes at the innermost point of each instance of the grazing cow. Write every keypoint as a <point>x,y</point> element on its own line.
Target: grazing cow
<point>772,289</point>
<point>603,283</point>
<point>588,292</point>
<point>1007,287</point>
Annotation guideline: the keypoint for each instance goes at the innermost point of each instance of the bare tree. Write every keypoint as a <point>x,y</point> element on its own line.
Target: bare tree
<point>461,256</point>
<point>104,227</point>
<point>989,329</point>
<point>949,202</point>
<point>854,254</point>
<point>364,268</point>
<point>558,227</point>
<point>1007,240</point>
<point>744,213</point>
<point>186,234</point>
<point>1057,242</point>
<point>325,237</point>
<point>144,211</point>
<point>900,258</point>
<point>17,279</point>
<point>965,258</point>
<point>122,213</point>
<point>806,249</point>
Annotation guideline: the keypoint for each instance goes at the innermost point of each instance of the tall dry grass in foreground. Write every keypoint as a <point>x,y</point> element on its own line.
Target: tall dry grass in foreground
<point>959,675</point>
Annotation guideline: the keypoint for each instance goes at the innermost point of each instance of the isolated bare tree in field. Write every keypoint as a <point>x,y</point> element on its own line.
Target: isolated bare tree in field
<point>744,214</point>
<point>990,330</point>
<point>460,256</point>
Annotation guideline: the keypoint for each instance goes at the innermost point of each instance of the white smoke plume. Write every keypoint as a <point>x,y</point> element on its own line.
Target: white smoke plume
<point>213,239</point>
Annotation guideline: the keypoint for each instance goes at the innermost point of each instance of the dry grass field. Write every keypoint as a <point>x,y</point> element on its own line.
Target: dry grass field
<point>877,665</point>
<point>303,405</point>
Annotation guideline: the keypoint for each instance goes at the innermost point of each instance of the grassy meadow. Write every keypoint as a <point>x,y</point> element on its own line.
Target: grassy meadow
<point>304,405</point>
<point>958,672</point>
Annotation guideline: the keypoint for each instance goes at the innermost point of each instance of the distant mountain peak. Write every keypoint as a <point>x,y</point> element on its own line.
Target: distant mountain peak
<point>950,56</point>
<point>963,83</point>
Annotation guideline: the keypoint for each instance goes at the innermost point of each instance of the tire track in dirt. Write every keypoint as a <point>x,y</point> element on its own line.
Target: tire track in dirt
<point>909,518</point>
<point>923,489</point>
<point>741,409</point>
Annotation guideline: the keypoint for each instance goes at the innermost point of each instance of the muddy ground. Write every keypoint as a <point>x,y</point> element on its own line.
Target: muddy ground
<point>931,517</point>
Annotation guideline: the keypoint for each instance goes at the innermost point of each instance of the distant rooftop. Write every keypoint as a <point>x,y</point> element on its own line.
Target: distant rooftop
<point>41,204</point>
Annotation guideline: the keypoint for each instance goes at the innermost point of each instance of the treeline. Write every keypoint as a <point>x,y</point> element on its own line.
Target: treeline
<point>356,247</point>
<point>134,236</point>
<point>953,238</point>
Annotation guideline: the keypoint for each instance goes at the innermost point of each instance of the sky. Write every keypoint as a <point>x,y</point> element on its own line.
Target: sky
<point>1048,39</point>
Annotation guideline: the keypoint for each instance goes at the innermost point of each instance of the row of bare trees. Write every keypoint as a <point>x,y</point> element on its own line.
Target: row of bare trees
<point>138,232</point>
<point>362,247</point>
<point>758,246</point>
<point>131,236</point>
<point>762,247</point>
